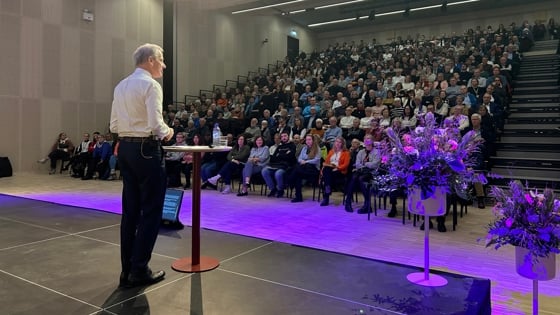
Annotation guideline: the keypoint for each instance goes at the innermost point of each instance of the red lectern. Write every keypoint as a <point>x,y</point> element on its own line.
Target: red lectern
<point>196,263</point>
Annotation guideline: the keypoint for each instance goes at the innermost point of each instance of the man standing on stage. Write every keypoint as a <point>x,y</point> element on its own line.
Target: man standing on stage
<point>136,116</point>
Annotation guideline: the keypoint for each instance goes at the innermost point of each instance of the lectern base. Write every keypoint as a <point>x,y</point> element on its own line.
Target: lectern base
<point>433,280</point>
<point>185,264</point>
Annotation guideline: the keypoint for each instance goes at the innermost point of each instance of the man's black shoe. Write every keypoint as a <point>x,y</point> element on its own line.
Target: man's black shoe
<point>123,280</point>
<point>272,193</point>
<point>146,278</point>
<point>441,228</point>
<point>280,193</point>
<point>297,199</point>
<point>393,212</point>
<point>348,208</point>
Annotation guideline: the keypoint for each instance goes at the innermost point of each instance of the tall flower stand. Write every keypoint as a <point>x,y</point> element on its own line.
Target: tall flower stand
<point>542,270</point>
<point>432,206</point>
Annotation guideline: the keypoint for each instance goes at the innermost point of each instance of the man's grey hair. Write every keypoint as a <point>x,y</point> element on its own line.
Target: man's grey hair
<point>146,51</point>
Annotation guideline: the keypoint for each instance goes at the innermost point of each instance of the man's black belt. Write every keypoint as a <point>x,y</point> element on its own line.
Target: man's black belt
<point>139,139</point>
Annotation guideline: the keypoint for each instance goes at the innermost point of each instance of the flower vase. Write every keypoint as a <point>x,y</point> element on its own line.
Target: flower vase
<point>432,206</point>
<point>541,270</point>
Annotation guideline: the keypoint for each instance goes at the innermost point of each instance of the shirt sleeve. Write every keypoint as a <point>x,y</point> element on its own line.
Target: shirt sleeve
<point>154,99</point>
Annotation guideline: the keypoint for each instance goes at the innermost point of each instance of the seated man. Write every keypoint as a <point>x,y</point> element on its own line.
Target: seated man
<point>366,164</point>
<point>332,132</point>
<point>81,157</point>
<point>281,160</point>
<point>100,159</point>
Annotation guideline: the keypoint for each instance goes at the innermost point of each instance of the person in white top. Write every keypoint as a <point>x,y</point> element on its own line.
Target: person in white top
<point>136,115</point>
<point>458,120</point>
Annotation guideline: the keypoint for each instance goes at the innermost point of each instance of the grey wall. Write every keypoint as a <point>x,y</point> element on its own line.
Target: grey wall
<point>212,47</point>
<point>58,71</point>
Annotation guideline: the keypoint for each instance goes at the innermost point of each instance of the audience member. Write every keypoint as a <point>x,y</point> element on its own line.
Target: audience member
<point>282,159</point>
<point>334,168</point>
<point>307,166</point>
<point>60,150</point>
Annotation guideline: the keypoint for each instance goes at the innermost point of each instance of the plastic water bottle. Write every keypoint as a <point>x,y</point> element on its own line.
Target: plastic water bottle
<point>216,134</point>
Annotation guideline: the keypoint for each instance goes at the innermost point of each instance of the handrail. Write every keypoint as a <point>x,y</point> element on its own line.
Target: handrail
<point>235,83</point>
<point>188,97</point>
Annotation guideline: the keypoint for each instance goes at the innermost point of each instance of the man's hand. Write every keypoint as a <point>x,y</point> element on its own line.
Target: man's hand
<point>169,135</point>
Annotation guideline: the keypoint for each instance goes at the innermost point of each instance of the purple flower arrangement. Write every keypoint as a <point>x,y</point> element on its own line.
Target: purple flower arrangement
<point>430,156</point>
<point>525,218</point>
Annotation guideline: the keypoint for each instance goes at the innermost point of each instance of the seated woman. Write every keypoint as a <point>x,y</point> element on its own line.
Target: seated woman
<point>188,160</point>
<point>366,165</point>
<point>61,150</point>
<point>308,165</point>
<point>408,118</point>
<point>258,158</point>
<point>335,167</point>
<point>236,159</point>
<point>385,120</point>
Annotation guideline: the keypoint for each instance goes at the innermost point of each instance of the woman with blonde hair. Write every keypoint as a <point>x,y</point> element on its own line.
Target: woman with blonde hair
<point>308,165</point>
<point>335,167</point>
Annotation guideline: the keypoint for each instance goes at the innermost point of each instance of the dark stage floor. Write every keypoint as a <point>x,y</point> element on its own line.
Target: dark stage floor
<point>57,259</point>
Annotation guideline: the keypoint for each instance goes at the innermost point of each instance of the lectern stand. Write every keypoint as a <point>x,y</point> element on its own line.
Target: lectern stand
<point>196,263</point>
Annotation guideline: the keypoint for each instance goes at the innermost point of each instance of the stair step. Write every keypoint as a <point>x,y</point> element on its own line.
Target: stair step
<point>522,126</point>
<point>533,91</point>
<point>534,83</point>
<point>527,162</point>
<point>544,96</point>
<point>532,182</point>
<point>537,54</point>
<point>527,154</point>
<point>538,60</point>
<point>544,75</point>
<point>527,146</point>
<point>535,99</point>
<point>522,138</point>
<point>550,66</point>
<point>534,105</point>
<point>519,116</point>
<point>528,172</point>
<point>542,87</point>
<point>534,70</point>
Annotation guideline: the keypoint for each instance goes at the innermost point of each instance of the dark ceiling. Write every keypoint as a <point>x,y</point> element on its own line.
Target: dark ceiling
<point>361,13</point>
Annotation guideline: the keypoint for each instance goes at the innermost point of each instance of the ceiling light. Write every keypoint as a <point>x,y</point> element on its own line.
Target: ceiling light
<point>331,22</point>
<point>425,8</point>
<point>337,4</point>
<point>266,6</point>
<point>462,2</point>
<point>297,11</point>
<point>390,13</point>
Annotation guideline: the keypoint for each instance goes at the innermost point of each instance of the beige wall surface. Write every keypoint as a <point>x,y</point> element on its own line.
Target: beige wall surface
<point>214,46</point>
<point>58,71</point>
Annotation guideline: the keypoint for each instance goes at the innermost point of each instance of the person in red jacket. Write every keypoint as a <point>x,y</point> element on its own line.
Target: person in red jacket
<point>334,168</point>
